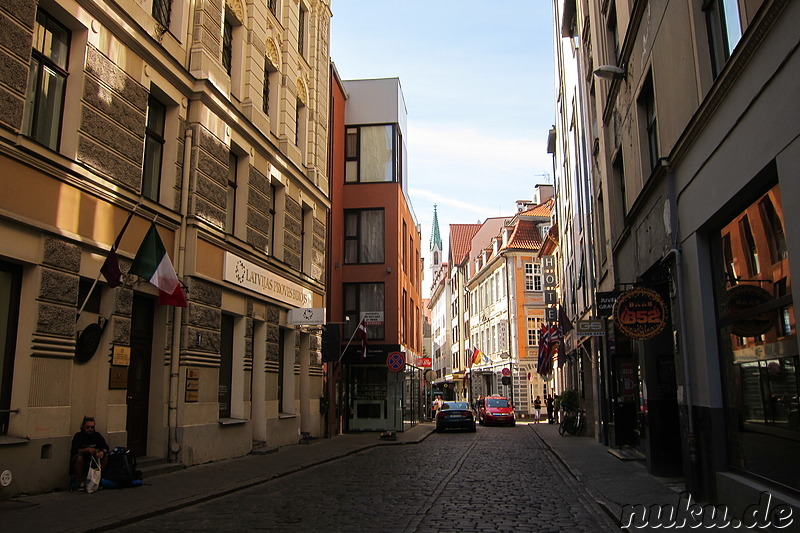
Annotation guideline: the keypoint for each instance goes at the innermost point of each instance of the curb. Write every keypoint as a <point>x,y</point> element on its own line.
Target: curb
<point>132,518</point>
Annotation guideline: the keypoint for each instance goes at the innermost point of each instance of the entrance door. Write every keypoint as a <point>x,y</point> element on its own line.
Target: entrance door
<point>10,277</point>
<point>138,400</point>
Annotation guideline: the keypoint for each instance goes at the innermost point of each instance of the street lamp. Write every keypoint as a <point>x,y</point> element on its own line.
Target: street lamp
<point>609,72</point>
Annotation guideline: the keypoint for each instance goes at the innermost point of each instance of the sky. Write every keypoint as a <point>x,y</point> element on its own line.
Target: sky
<point>478,81</point>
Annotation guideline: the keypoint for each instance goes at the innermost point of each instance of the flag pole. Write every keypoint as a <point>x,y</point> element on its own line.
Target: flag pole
<point>351,340</point>
<point>112,250</point>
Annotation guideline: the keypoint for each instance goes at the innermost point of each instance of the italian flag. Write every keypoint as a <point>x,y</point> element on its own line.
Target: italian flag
<point>152,263</point>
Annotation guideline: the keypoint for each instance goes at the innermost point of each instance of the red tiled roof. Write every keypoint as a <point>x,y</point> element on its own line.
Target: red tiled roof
<point>542,210</point>
<point>525,236</point>
<point>460,238</point>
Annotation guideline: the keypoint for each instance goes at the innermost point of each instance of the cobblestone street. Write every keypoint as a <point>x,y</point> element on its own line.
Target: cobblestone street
<point>498,479</point>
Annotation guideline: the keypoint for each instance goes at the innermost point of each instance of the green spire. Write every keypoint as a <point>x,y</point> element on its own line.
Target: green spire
<point>436,238</point>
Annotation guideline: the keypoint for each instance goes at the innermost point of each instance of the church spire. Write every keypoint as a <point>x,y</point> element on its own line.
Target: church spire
<point>436,238</point>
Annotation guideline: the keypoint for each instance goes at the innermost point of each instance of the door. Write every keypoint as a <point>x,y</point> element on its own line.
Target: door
<point>138,399</point>
<point>10,282</point>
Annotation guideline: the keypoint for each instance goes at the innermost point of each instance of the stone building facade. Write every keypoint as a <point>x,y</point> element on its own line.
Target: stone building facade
<point>209,120</point>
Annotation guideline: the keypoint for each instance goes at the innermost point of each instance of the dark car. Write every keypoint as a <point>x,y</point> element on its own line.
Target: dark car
<point>496,410</point>
<point>455,415</point>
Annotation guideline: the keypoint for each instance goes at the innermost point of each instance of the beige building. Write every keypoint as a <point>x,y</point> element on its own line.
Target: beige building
<point>693,126</point>
<point>209,118</point>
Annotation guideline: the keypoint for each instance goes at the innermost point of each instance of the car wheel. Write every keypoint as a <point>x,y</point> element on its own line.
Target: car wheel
<point>439,429</point>
<point>514,423</point>
<point>473,429</point>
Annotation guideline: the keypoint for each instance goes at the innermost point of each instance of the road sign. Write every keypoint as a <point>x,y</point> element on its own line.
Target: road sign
<point>590,328</point>
<point>396,361</point>
<point>506,371</point>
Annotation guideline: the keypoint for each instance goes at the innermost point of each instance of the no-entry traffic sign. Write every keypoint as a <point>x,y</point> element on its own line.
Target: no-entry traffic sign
<point>396,361</point>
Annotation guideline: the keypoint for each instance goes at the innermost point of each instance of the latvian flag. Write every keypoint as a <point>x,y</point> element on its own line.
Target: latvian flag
<point>152,263</point>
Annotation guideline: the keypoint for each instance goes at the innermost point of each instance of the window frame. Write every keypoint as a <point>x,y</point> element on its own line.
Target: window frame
<point>358,237</point>
<point>353,154</point>
<point>35,99</point>
<point>352,310</point>
<point>151,180</point>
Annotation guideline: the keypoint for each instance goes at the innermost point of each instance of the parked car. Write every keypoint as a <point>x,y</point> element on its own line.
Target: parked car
<point>455,415</point>
<point>496,410</point>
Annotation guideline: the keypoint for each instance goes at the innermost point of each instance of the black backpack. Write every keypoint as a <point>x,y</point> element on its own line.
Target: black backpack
<point>121,468</point>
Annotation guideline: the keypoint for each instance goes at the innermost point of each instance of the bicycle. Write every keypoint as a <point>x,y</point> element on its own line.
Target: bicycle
<point>572,422</point>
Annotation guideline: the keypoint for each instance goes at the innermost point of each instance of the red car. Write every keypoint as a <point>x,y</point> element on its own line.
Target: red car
<point>496,410</point>
<point>455,415</point>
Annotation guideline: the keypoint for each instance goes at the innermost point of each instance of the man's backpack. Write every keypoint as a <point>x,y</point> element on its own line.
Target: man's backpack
<point>121,468</point>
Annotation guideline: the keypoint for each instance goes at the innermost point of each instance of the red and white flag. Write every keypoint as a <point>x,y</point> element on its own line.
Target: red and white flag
<point>361,333</point>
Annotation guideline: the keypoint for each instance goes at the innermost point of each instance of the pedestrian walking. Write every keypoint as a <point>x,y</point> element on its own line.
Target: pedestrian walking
<point>537,409</point>
<point>550,404</point>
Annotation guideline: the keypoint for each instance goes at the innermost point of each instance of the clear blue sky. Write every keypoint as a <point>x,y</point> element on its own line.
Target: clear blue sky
<point>478,83</point>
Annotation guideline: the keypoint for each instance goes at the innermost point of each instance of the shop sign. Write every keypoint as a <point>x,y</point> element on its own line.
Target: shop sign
<point>250,276</point>
<point>640,313</point>
<point>590,328</point>
<point>605,302</point>
<point>747,320</point>
<point>311,316</point>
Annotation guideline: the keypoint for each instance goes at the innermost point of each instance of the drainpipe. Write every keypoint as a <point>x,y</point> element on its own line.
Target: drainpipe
<point>177,315</point>
<point>675,251</point>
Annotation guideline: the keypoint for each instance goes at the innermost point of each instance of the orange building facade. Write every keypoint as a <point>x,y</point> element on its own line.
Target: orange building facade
<point>375,272</point>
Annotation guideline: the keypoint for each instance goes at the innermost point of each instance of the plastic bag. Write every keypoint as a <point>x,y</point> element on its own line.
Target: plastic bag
<point>93,477</point>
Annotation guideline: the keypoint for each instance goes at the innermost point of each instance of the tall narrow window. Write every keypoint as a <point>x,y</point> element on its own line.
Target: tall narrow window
<point>301,30</point>
<point>750,246</point>
<point>10,286</point>
<point>724,31</point>
<point>272,194</point>
<point>774,226</point>
<point>273,6</point>
<point>618,169</point>
<point>161,12</point>
<point>266,88</point>
<point>47,80</point>
<point>612,33</point>
<point>647,111</point>
<point>225,366</point>
<point>230,207</point>
<point>351,156</point>
<point>153,148</point>
<point>227,46</point>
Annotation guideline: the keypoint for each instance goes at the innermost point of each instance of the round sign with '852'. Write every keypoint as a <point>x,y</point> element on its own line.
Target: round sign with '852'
<point>640,313</point>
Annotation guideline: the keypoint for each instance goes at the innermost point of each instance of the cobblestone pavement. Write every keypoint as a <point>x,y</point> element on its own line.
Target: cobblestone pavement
<point>498,479</point>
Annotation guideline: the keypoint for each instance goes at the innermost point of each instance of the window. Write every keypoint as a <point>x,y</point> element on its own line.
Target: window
<point>227,46</point>
<point>272,193</point>
<point>301,121</point>
<point>750,247</point>
<point>370,155</point>
<point>302,30</point>
<point>161,12</point>
<point>534,330</point>
<point>230,207</point>
<point>265,103</point>
<point>307,239</point>
<point>758,348</point>
<point>724,31</point>
<point>360,298</point>
<point>153,148</point>
<point>647,114</point>
<point>618,170</point>
<point>774,226</point>
<point>225,366</point>
<point>533,276</point>
<point>273,6</point>
<point>612,33</point>
<point>364,236</point>
<point>47,80</point>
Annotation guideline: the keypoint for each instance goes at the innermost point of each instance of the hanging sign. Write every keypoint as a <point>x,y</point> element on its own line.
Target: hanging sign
<point>749,310</point>
<point>640,313</point>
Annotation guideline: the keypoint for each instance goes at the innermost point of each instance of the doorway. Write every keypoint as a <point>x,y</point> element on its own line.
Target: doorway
<point>138,398</point>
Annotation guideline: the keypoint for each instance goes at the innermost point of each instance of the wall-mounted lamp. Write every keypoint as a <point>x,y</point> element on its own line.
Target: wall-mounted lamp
<point>609,72</point>
<point>388,270</point>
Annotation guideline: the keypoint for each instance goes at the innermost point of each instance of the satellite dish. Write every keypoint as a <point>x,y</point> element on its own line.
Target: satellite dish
<point>88,341</point>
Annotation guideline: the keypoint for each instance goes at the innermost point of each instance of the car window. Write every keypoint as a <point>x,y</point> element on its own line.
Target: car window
<point>455,405</point>
<point>496,402</point>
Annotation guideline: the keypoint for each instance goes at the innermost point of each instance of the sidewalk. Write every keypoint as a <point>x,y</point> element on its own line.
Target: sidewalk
<point>611,481</point>
<point>78,511</point>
